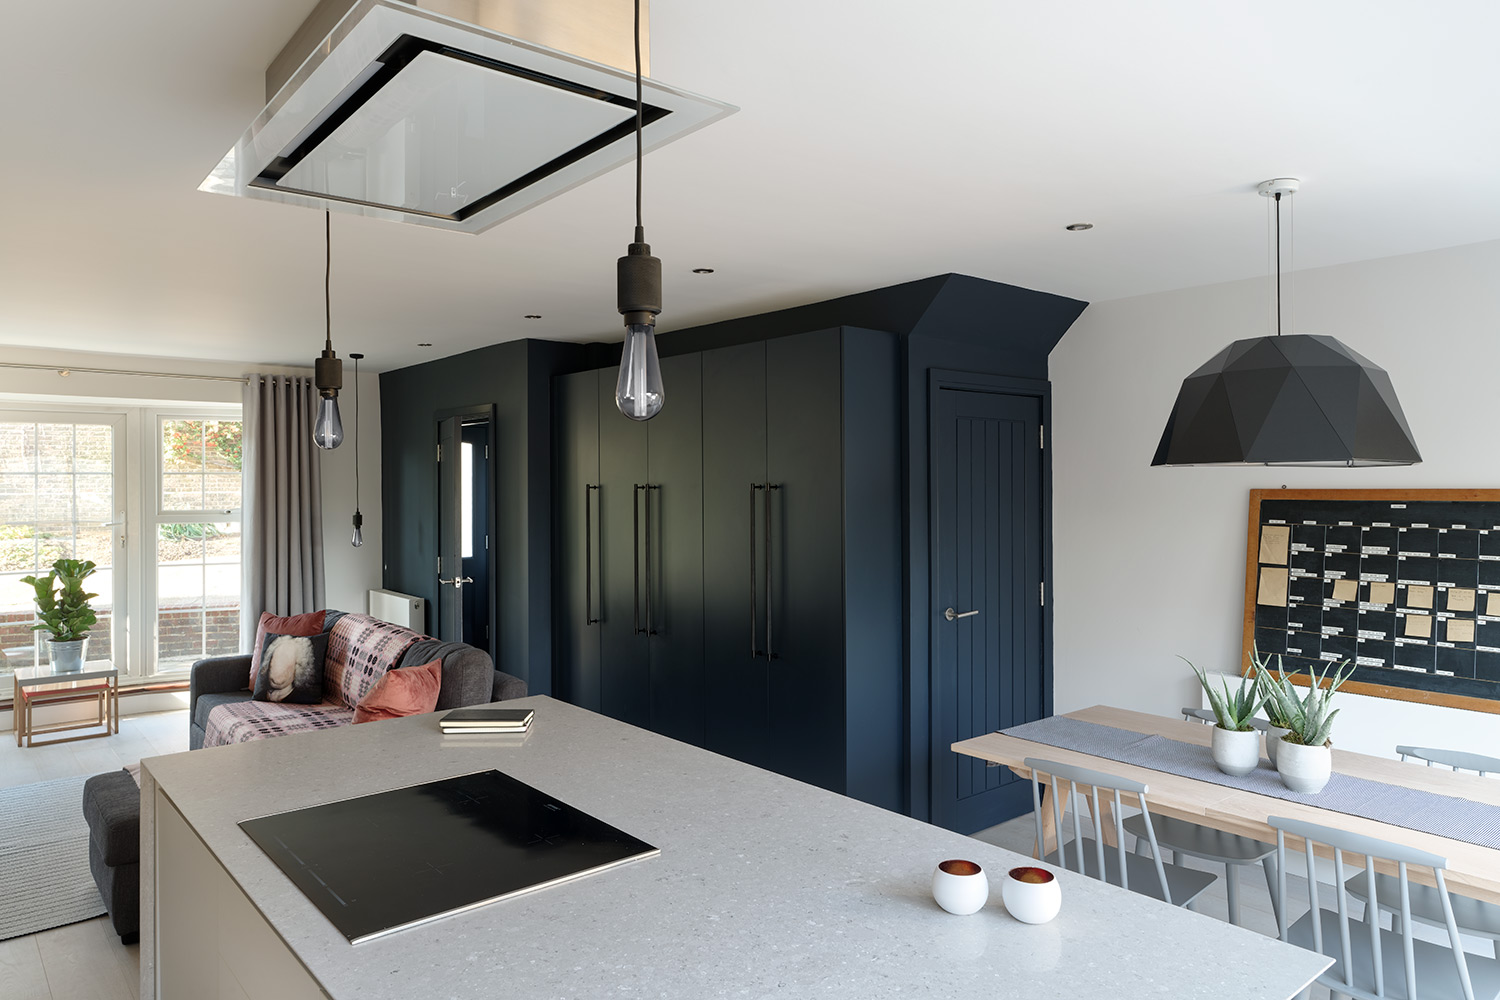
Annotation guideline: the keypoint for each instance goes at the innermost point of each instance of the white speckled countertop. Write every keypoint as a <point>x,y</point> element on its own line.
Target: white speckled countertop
<point>764,887</point>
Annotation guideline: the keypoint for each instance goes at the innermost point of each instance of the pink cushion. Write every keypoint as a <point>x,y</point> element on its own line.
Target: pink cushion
<point>310,623</point>
<point>408,691</point>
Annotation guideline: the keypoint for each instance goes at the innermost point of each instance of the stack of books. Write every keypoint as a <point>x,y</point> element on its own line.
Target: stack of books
<point>488,719</point>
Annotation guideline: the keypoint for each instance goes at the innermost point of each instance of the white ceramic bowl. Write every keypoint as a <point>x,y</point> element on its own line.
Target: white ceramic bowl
<point>1032,895</point>
<point>960,887</point>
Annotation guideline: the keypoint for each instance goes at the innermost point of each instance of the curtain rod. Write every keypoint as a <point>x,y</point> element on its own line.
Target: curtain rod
<point>68,370</point>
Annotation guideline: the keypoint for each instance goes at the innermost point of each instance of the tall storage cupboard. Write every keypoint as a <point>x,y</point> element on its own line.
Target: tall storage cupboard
<point>771,495</point>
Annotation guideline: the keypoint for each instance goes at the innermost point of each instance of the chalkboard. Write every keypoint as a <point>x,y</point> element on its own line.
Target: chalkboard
<point>1403,583</point>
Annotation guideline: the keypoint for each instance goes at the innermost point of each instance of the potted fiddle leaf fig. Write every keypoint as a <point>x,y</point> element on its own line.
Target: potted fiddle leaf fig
<point>63,607</point>
<point>1282,703</point>
<point>1305,758</point>
<point>1236,741</point>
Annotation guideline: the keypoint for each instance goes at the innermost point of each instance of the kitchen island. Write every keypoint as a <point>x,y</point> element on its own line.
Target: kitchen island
<point>764,886</point>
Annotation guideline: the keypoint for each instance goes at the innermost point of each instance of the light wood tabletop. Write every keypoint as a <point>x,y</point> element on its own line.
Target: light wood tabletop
<point>1472,870</point>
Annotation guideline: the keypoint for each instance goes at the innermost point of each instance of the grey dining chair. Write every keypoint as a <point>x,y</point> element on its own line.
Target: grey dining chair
<point>1475,917</point>
<point>1372,963</point>
<point>1149,876</point>
<point>1184,838</point>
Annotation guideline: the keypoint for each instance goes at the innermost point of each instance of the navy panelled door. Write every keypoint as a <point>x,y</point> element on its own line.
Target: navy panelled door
<point>988,666</point>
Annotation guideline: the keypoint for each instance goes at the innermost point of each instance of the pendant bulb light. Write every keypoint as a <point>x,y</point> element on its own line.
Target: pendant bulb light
<point>1288,399</point>
<point>328,370</point>
<point>639,393</point>
<point>358,537</point>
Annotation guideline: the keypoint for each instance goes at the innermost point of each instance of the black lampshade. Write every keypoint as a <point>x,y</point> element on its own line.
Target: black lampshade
<point>1300,399</point>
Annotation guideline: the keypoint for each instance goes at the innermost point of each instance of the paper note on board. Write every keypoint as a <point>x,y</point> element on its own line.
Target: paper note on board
<point>1274,539</point>
<point>1345,590</point>
<point>1460,599</point>
<point>1419,597</point>
<point>1272,587</point>
<point>1419,626</point>
<point>1460,630</point>
<point>1492,604</point>
<point>1382,593</point>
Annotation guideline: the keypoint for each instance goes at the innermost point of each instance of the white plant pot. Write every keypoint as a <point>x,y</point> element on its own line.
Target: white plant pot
<point>1237,754</point>
<point>1029,900</point>
<point>1273,740</point>
<point>1302,768</point>
<point>960,887</point>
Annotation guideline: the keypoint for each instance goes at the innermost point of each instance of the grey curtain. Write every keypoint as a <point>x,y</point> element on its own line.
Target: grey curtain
<point>283,504</point>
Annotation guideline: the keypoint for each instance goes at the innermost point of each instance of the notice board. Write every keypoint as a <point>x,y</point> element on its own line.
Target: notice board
<point>1403,583</point>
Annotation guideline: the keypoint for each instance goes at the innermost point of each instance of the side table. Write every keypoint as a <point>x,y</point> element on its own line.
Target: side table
<point>40,685</point>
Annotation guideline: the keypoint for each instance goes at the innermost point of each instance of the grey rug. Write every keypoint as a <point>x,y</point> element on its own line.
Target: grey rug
<point>1412,808</point>
<point>44,858</point>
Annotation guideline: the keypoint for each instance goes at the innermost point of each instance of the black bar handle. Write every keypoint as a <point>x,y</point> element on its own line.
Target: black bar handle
<point>770,597</point>
<point>754,622</point>
<point>650,628</point>
<point>635,577</point>
<point>588,554</point>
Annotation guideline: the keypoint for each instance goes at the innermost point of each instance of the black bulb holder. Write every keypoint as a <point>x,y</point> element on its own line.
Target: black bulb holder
<point>328,373</point>
<point>638,283</point>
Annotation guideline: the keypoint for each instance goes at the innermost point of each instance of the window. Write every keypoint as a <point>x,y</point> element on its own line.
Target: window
<point>61,497</point>
<point>197,540</point>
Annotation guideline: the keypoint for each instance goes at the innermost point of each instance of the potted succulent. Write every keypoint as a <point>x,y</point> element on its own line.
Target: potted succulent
<point>1282,703</point>
<point>64,612</point>
<point>1305,758</point>
<point>1236,742</point>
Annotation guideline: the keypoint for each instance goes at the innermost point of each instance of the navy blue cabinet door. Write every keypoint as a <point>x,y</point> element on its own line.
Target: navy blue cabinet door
<point>625,656</point>
<point>737,692</point>
<point>672,553</point>
<point>987,524</point>
<point>578,590</point>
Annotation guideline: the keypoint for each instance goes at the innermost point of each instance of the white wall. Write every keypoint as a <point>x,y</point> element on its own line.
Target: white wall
<point>1150,562</point>
<point>350,572</point>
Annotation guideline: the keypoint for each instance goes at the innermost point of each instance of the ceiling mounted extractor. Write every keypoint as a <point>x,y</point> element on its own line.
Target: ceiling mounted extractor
<point>416,113</point>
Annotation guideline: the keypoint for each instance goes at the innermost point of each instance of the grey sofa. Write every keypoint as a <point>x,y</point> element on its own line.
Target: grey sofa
<point>469,678</point>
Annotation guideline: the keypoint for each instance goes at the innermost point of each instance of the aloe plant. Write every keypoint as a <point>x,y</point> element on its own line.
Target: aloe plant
<point>1282,703</point>
<point>1232,709</point>
<point>66,612</point>
<point>1314,719</point>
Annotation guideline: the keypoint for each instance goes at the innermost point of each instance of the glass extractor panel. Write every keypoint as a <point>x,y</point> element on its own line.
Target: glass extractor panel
<point>445,132</point>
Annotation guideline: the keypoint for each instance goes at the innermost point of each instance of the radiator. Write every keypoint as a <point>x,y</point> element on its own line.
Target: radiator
<point>399,609</point>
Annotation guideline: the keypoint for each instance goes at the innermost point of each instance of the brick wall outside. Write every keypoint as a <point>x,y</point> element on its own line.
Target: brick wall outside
<point>180,635</point>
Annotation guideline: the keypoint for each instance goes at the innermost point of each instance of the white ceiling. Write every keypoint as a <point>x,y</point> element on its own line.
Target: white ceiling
<point>877,142</point>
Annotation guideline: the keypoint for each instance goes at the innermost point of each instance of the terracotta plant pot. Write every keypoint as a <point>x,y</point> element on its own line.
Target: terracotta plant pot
<point>1236,754</point>
<point>1303,768</point>
<point>1031,894</point>
<point>960,887</point>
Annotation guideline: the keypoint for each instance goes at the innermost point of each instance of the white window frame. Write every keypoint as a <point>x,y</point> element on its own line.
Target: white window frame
<point>121,635</point>
<point>159,515</point>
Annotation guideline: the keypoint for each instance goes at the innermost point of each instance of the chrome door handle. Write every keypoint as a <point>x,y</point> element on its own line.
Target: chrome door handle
<point>954,616</point>
<point>457,582</point>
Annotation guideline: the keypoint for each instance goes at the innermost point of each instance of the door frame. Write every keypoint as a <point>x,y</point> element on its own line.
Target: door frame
<point>939,379</point>
<point>478,411</point>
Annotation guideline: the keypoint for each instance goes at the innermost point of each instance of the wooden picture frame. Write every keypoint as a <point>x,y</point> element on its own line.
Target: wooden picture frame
<point>1252,581</point>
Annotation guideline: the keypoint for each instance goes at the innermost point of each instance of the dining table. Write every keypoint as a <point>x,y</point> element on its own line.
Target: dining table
<point>1472,869</point>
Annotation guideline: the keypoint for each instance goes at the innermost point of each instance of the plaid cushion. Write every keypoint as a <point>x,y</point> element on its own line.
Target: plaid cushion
<point>243,721</point>
<point>360,650</point>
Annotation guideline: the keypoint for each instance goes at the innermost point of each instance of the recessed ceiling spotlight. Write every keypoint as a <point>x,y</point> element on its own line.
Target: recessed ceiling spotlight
<point>1079,227</point>
<point>424,344</point>
<point>65,372</point>
<point>703,270</point>
<point>532,316</point>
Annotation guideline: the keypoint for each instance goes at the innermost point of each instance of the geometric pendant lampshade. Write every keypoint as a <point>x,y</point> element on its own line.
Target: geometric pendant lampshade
<point>1298,399</point>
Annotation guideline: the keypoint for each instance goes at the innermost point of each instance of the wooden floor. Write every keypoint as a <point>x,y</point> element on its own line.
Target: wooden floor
<point>83,961</point>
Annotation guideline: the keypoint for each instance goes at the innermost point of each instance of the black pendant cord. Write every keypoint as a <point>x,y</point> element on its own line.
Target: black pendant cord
<point>1278,263</point>
<point>640,229</point>
<point>356,358</point>
<point>327,274</point>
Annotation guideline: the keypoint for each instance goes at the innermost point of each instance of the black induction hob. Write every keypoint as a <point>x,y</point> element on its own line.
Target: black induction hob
<point>388,861</point>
